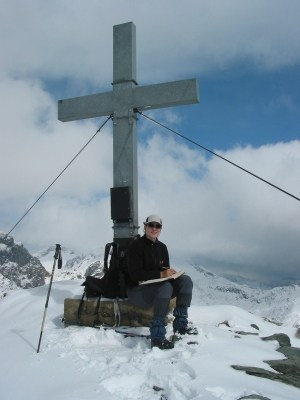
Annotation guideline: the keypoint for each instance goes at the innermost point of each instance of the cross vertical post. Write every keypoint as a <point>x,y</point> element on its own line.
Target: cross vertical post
<point>123,101</point>
<point>124,134</point>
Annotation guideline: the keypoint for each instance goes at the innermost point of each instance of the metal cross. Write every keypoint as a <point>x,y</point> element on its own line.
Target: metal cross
<point>123,102</point>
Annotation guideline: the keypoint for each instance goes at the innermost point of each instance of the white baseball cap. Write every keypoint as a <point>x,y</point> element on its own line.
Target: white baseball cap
<point>153,218</point>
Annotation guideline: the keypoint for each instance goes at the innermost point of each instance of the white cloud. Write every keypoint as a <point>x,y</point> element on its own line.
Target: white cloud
<point>74,39</point>
<point>35,147</point>
<point>226,216</point>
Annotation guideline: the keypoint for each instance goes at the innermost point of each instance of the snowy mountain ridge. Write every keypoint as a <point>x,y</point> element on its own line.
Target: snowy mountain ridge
<point>279,304</point>
<point>75,266</point>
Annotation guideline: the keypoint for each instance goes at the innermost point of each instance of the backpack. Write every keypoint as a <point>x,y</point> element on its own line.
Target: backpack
<point>112,284</point>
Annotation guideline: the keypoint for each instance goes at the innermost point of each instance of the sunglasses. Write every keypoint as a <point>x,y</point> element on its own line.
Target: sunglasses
<point>153,225</point>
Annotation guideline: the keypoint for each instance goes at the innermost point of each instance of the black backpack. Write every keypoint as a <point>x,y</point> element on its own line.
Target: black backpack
<point>112,284</point>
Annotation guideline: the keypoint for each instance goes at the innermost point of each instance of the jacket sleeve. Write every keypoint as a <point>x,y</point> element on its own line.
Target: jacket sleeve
<point>136,265</point>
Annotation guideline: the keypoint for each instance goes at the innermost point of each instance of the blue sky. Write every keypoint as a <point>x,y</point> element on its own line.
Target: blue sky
<point>245,106</point>
<point>248,107</point>
<point>246,57</point>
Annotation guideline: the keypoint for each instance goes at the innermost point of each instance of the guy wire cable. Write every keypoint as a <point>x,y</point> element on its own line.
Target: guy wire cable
<point>218,155</point>
<point>59,175</point>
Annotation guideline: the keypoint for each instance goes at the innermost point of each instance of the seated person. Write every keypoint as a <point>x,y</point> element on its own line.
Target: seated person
<point>148,258</point>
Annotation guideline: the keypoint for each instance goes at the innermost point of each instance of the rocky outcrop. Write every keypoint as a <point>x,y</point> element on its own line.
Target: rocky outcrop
<point>254,397</point>
<point>18,267</point>
<point>288,369</point>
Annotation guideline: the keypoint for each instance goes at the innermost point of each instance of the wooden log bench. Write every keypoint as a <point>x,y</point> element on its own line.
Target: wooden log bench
<point>129,314</point>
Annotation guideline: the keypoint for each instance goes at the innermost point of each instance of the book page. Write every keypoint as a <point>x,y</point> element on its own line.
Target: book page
<point>175,276</point>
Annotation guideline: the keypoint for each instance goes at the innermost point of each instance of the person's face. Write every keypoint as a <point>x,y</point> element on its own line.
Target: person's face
<point>152,230</point>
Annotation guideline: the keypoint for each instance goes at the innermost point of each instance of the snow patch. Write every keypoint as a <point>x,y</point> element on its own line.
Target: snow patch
<point>86,363</point>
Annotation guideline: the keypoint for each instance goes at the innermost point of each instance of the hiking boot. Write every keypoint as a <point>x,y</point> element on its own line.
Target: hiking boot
<point>187,330</point>
<point>162,344</point>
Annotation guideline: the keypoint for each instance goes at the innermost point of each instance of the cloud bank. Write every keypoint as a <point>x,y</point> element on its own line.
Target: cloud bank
<point>43,39</point>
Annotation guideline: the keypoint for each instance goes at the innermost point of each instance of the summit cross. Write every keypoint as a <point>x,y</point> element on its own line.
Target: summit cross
<point>123,103</point>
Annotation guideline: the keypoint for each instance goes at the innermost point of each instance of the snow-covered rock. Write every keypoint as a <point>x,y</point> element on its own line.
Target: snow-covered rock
<point>18,268</point>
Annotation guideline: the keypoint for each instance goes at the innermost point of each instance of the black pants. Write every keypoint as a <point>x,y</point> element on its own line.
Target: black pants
<point>159,294</point>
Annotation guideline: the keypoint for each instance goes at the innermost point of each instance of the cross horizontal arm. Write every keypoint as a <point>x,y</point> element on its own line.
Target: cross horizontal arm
<point>143,97</point>
<point>169,94</point>
<point>91,106</point>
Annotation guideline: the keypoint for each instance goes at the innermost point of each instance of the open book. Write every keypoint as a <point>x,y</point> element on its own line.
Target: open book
<point>175,276</point>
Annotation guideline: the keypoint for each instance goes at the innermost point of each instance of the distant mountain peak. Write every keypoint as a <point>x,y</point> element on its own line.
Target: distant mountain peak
<point>18,268</point>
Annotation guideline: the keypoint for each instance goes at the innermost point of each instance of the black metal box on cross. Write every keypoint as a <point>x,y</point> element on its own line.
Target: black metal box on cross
<point>120,204</point>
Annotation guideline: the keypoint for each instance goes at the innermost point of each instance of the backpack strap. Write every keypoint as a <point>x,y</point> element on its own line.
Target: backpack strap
<point>106,254</point>
<point>115,248</point>
<point>97,308</point>
<point>80,305</point>
<point>117,314</point>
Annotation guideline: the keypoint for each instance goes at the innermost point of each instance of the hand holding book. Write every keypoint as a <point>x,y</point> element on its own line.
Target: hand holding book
<point>171,276</point>
<point>168,272</point>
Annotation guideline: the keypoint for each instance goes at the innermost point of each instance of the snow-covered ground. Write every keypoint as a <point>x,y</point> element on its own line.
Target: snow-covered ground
<point>80,363</point>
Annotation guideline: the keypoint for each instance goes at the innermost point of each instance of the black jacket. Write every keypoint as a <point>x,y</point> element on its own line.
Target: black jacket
<point>146,259</point>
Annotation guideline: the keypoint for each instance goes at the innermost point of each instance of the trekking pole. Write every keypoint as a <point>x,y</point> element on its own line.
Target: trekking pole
<point>57,256</point>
